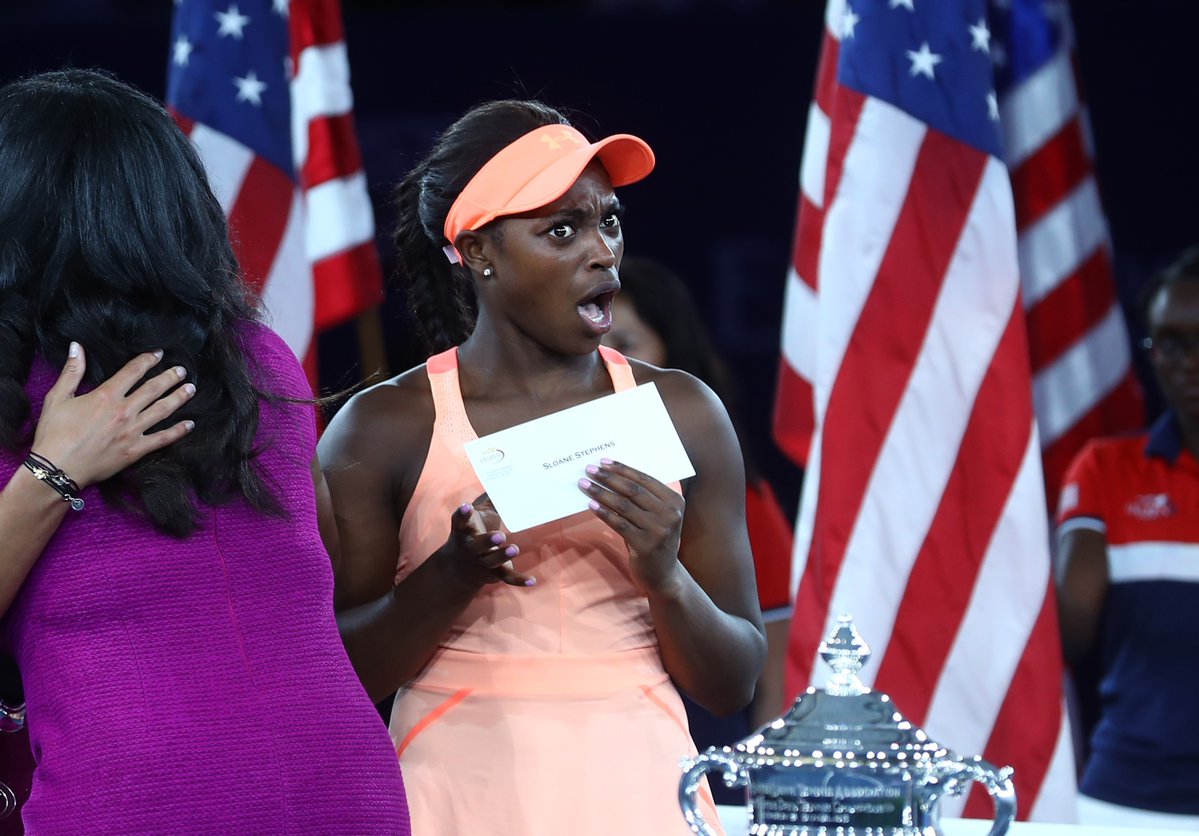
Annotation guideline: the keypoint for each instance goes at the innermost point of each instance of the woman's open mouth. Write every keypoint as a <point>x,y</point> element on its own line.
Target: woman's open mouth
<point>597,311</point>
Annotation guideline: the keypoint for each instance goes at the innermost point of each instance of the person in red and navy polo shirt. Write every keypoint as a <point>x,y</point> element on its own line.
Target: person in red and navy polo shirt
<point>1129,584</point>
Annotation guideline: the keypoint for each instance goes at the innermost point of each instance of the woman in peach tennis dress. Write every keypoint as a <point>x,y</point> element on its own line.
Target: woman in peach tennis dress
<point>536,670</point>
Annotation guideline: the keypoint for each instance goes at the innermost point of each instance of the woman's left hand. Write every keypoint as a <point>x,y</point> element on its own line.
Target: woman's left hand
<point>96,435</point>
<point>647,514</point>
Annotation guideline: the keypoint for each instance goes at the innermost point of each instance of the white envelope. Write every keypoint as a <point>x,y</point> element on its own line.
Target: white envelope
<point>531,471</point>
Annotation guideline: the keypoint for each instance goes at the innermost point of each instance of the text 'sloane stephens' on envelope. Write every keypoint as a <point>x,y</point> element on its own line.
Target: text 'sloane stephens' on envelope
<point>531,471</point>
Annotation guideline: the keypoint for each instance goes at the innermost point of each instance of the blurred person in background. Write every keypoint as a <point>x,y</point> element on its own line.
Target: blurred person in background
<point>1128,583</point>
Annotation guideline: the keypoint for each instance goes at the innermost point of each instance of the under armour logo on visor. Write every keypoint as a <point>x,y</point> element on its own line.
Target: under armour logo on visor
<point>555,142</point>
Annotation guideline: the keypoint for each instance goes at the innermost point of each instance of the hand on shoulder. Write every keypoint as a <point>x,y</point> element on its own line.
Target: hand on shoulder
<point>94,436</point>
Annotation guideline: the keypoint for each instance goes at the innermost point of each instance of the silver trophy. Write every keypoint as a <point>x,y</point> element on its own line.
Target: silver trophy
<point>844,762</point>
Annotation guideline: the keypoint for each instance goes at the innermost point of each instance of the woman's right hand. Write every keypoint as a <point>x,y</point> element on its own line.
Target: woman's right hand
<point>476,552</point>
<point>94,436</point>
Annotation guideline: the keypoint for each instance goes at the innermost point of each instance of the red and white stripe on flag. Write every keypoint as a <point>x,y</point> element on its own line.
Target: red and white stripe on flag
<point>339,224</point>
<point>923,509</point>
<point>1083,381</point>
<point>305,238</point>
<point>1084,384</point>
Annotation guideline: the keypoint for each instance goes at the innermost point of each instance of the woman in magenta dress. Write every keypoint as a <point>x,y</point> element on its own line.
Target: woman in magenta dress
<point>175,631</point>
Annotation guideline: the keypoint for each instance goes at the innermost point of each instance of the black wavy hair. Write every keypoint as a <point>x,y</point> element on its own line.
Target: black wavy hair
<point>113,238</point>
<point>441,294</point>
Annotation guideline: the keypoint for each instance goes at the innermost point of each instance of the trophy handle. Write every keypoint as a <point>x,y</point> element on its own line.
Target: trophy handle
<point>693,774</point>
<point>8,801</point>
<point>955,775</point>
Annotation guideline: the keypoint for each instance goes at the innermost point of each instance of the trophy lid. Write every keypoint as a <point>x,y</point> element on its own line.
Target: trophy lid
<point>846,721</point>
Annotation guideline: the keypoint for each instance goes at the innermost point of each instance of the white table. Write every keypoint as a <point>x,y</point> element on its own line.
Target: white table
<point>736,823</point>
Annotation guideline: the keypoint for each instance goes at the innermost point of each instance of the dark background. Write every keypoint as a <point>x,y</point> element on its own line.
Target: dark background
<point>720,89</point>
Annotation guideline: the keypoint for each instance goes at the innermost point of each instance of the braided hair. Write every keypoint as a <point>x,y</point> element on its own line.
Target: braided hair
<point>441,294</point>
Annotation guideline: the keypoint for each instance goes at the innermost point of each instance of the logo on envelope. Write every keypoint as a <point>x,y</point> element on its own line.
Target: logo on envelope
<point>492,455</point>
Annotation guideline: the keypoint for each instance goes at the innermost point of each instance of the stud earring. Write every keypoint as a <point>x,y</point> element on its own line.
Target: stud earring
<point>487,271</point>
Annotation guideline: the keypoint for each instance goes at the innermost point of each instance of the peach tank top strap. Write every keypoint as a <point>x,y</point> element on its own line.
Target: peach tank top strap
<point>451,420</point>
<point>618,368</point>
<point>446,479</point>
<point>622,378</point>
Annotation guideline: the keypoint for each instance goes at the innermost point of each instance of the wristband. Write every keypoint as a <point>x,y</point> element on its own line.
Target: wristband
<point>64,485</point>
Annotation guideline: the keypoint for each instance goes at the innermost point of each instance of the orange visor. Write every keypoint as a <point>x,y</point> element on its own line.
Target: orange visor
<point>537,169</point>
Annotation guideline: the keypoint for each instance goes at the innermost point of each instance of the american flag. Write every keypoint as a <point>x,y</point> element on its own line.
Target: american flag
<point>262,87</point>
<point>1083,381</point>
<point>923,507</point>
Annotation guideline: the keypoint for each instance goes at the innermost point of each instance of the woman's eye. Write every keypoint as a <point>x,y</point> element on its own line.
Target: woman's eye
<point>609,221</point>
<point>562,230</point>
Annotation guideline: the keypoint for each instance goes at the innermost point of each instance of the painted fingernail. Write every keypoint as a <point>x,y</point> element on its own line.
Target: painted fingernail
<point>73,349</point>
<point>606,461</point>
<point>465,508</point>
<point>585,484</point>
<point>498,537</point>
<point>530,581</point>
<point>180,371</point>
<point>512,551</point>
<point>157,353</point>
<point>593,505</point>
<point>592,469</point>
<point>191,425</point>
<point>189,388</point>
